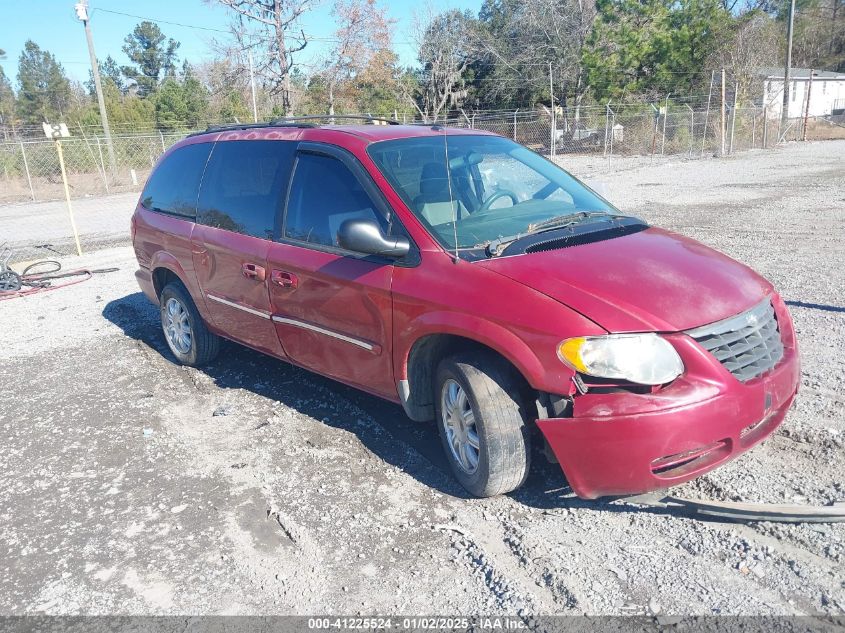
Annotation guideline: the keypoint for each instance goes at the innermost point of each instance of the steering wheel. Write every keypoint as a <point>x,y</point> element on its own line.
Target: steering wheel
<point>499,193</point>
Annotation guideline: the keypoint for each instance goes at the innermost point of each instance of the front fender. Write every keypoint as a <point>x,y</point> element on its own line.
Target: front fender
<point>536,368</point>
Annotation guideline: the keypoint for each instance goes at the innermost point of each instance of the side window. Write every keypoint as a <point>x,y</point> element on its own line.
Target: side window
<point>244,185</point>
<point>323,194</point>
<point>173,186</point>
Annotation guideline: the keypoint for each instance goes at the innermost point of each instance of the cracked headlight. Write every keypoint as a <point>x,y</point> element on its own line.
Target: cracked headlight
<point>646,359</point>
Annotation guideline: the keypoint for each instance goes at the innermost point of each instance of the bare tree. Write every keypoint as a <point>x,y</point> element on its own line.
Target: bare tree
<point>820,35</point>
<point>446,49</point>
<point>753,44</point>
<point>364,31</point>
<point>274,25</point>
<point>519,40</point>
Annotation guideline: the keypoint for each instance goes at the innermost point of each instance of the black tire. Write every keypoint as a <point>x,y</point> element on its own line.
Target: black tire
<point>504,446</point>
<point>204,345</point>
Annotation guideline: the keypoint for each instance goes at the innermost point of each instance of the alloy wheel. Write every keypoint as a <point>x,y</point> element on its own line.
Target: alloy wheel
<point>458,421</point>
<point>177,327</point>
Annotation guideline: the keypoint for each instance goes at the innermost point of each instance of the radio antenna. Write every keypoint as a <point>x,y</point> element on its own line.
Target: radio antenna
<point>451,195</point>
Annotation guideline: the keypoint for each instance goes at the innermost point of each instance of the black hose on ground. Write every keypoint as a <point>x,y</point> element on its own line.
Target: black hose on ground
<point>37,279</point>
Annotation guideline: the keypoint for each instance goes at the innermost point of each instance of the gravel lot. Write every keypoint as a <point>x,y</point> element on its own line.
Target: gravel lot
<point>131,485</point>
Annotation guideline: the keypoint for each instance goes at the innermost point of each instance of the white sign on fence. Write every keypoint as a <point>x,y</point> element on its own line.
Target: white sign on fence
<point>55,130</point>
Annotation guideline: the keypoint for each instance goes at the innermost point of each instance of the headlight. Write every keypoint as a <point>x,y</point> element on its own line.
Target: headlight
<point>646,359</point>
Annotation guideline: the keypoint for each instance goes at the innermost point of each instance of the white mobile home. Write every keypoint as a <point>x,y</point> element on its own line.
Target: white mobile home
<point>827,93</point>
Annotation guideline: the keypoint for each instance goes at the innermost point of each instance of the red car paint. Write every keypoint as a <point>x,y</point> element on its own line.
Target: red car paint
<point>520,306</point>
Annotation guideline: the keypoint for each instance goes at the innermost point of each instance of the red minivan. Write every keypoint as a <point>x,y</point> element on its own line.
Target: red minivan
<point>476,283</point>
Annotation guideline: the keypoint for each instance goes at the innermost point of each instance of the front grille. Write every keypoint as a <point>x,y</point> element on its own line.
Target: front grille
<point>747,345</point>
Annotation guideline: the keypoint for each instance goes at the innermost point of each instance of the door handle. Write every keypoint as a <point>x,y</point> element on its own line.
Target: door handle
<point>284,279</point>
<point>253,271</point>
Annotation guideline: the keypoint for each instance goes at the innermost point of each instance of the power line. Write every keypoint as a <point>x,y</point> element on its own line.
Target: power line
<point>141,17</point>
<point>291,35</point>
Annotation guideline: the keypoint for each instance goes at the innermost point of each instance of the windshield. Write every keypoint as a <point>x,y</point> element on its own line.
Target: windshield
<point>497,189</point>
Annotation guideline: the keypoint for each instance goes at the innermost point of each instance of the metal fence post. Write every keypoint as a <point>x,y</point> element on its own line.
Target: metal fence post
<point>606,125</point>
<point>161,136</point>
<point>612,125</point>
<point>691,128</point>
<point>26,169</point>
<point>733,119</point>
<point>665,116</point>
<point>754,129</point>
<point>514,123</point>
<point>654,131</point>
<point>765,126</point>
<point>93,159</point>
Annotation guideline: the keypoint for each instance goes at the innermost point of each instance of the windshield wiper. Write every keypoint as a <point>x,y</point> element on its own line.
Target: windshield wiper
<point>495,247</point>
<point>565,220</point>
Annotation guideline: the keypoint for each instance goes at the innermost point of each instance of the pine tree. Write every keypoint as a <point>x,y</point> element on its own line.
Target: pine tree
<point>44,89</point>
<point>7,102</point>
<point>153,54</point>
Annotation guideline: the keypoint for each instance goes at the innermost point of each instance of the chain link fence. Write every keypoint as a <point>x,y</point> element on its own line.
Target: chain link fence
<point>642,130</point>
<point>35,222</point>
<point>30,170</point>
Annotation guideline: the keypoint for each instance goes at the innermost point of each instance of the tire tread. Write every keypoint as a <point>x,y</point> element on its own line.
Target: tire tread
<point>497,394</point>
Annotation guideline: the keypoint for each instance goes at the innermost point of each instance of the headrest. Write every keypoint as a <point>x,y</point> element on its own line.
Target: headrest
<point>434,182</point>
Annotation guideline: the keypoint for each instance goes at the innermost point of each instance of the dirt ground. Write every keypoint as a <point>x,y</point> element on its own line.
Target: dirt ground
<point>131,485</point>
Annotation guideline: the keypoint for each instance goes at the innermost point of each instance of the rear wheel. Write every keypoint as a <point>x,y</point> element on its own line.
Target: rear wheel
<point>184,330</point>
<point>481,425</point>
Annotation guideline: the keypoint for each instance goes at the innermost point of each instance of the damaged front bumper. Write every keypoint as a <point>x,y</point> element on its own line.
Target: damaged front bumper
<point>625,443</point>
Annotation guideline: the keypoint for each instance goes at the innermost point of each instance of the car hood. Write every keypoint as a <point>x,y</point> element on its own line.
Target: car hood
<point>653,280</point>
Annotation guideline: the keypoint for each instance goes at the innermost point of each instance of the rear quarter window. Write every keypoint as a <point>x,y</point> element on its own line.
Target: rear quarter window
<point>244,185</point>
<point>173,186</point>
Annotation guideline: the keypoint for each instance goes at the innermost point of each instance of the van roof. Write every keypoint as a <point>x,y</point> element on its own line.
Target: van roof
<point>370,133</point>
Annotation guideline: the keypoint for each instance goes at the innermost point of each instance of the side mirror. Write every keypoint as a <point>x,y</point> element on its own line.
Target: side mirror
<point>365,236</point>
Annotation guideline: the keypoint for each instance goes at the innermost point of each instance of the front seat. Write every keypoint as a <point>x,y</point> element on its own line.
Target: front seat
<point>434,202</point>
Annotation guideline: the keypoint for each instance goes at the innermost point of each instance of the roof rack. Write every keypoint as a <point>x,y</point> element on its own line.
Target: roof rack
<point>247,126</point>
<point>316,117</point>
<point>294,121</point>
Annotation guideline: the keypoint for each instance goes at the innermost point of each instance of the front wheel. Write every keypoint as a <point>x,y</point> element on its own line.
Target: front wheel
<point>184,330</point>
<point>482,428</point>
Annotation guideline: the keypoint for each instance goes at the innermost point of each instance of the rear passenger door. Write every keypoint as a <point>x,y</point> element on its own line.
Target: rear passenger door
<point>332,307</point>
<point>239,201</point>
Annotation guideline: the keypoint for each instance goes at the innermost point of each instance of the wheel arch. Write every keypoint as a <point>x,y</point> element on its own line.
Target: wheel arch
<point>165,268</point>
<point>439,339</point>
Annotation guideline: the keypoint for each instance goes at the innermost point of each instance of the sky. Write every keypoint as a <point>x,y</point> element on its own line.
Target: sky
<point>52,24</point>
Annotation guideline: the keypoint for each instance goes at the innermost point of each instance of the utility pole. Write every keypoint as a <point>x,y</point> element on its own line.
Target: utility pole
<point>252,84</point>
<point>784,113</point>
<point>552,99</point>
<point>82,13</point>
<point>722,122</point>
<point>707,115</point>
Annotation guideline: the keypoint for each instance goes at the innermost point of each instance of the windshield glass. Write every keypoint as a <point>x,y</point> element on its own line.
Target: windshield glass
<point>495,188</point>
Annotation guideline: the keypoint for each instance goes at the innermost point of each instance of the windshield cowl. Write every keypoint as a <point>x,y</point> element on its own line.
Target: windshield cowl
<point>497,247</point>
<point>569,235</point>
